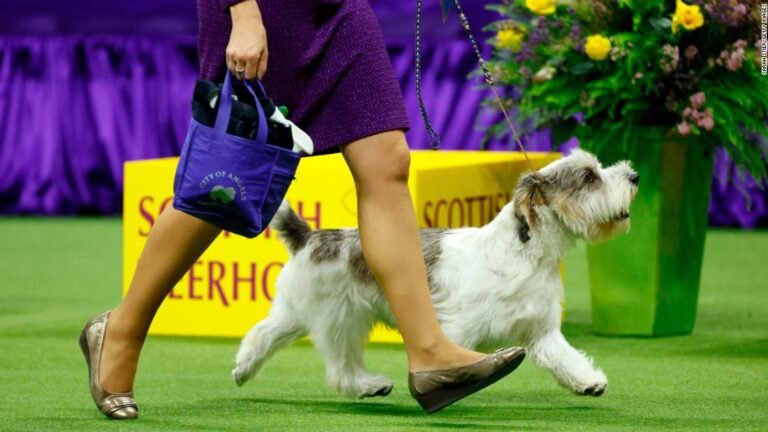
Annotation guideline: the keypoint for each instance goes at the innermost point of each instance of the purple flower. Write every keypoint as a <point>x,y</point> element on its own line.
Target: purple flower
<point>525,53</point>
<point>575,31</point>
<point>535,38</point>
<point>730,13</point>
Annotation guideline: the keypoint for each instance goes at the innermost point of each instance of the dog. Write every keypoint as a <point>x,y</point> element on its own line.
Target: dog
<point>498,285</point>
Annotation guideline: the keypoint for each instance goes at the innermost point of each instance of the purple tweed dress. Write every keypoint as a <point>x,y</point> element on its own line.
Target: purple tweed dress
<point>327,63</point>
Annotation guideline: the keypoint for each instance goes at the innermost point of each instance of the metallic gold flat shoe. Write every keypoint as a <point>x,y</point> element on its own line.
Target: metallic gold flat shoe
<point>435,390</point>
<point>119,406</point>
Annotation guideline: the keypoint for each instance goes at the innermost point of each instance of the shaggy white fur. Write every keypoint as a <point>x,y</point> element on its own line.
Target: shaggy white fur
<point>498,285</point>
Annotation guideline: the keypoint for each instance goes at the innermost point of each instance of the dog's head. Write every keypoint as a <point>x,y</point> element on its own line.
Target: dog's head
<point>590,201</point>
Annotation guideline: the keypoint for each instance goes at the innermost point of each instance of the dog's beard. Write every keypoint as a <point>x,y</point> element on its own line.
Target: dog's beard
<point>607,230</point>
<point>593,230</point>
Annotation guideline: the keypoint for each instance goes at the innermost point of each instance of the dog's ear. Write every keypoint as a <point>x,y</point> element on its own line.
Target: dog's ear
<point>528,195</point>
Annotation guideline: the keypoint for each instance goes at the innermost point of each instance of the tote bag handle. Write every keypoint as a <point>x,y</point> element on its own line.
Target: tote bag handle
<point>225,109</point>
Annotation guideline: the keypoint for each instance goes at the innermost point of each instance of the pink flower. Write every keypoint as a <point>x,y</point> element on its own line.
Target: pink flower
<point>735,60</point>
<point>697,100</point>
<point>686,112</point>
<point>741,43</point>
<point>684,129</point>
<point>707,123</point>
<point>670,58</point>
<point>696,115</point>
<point>690,52</point>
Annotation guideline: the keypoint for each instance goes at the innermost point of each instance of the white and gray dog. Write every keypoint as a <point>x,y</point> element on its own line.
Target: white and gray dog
<point>498,285</point>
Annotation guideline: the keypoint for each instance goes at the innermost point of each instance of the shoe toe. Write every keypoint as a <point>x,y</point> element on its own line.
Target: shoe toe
<point>125,413</point>
<point>509,354</point>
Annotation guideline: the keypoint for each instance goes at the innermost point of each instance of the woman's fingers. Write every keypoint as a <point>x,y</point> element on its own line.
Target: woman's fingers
<point>237,64</point>
<point>252,67</point>
<point>232,61</point>
<point>262,65</point>
<point>248,65</point>
<point>247,48</point>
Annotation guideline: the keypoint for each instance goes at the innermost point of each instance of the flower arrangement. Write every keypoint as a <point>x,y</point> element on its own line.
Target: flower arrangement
<point>601,70</point>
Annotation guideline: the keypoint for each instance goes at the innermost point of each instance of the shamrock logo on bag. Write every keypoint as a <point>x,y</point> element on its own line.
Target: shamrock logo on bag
<point>224,195</point>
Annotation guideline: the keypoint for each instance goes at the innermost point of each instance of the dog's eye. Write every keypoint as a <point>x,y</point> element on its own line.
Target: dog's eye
<point>589,177</point>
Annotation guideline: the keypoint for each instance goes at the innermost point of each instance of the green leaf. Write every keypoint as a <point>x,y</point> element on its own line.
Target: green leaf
<point>660,24</point>
<point>563,131</point>
<point>582,68</point>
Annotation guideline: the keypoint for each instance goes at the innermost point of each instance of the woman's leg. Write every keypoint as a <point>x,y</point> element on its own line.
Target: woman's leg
<point>391,245</point>
<point>175,242</point>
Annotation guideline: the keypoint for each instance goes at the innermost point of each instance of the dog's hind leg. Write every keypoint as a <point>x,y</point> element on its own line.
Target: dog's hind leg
<point>263,340</point>
<point>341,339</point>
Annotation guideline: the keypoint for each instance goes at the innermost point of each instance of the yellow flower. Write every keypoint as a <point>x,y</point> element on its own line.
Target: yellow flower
<point>688,16</point>
<point>510,39</point>
<point>541,7</point>
<point>597,47</point>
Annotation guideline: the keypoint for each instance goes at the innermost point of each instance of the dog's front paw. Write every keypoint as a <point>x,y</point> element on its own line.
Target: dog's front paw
<point>362,386</point>
<point>383,388</point>
<point>241,375</point>
<point>365,386</point>
<point>590,384</point>
<point>594,390</point>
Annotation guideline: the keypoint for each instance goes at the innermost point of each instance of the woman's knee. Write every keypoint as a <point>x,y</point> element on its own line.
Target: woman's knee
<point>385,159</point>
<point>396,163</point>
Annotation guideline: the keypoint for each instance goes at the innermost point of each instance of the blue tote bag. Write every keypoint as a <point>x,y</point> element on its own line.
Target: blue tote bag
<point>232,182</point>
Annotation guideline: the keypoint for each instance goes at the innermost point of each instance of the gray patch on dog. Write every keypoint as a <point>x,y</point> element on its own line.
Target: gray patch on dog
<point>430,241</point>
<point>294,231</point>
<point>571,178</point>
<point>357,264</point>
<point>326,245</point>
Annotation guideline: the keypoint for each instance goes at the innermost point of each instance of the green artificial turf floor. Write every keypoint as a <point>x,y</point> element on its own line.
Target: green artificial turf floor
<point>56,273</point>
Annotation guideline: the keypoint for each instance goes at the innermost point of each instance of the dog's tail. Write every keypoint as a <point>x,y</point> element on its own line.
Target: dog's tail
<point>291,229</point>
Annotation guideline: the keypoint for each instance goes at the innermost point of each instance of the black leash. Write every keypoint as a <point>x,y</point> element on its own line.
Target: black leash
<point>434,138</point>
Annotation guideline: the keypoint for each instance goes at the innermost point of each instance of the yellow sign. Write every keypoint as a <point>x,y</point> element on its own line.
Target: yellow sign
<point>232,285</point>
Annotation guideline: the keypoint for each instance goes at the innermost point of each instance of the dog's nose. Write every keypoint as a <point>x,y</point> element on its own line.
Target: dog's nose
<point>635,178</point>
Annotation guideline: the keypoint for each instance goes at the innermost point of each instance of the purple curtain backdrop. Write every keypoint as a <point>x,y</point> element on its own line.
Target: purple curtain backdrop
<point>82,92</point>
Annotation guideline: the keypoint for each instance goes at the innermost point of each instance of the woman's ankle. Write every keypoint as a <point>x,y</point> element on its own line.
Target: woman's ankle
<point>440,354</point>
<point>123,327</point>
<point>119,357</point>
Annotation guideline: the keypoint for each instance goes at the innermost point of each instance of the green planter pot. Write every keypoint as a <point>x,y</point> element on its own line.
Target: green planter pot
<point>646,282</point>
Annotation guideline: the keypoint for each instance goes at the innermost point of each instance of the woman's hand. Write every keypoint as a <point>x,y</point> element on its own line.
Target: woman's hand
<point>247,48</point>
